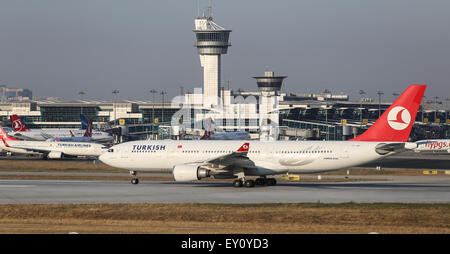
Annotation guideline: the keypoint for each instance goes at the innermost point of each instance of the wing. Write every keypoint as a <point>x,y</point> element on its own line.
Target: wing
<point>22,137</point>
<point>46,135</point>
<point>236,159</point>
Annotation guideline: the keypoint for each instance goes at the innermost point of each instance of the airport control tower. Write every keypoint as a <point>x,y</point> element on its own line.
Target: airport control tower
<point>212,42</point>
<point>269,85</point>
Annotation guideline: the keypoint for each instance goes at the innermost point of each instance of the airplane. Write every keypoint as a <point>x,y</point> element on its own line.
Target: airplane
<point>237,135</point>
<point>190,160</point>
<point>433,145</point>
<point>23,133</point>
<point>50,149</point>
<point>87,137</point>
<point>84,122</point>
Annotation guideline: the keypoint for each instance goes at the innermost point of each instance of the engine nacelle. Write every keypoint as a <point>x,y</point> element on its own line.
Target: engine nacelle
<point>189,172</point>
<point>410,145</point>
<point>54,155</point>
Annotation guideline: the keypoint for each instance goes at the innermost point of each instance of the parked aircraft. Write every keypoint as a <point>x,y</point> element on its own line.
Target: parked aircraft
<point>50,149</point>
<point>211,135</point>
<point>193,160</point>
<point>87,137</point>
<point>238,135</point>
<point>23,133</point>
<point>433,145</point>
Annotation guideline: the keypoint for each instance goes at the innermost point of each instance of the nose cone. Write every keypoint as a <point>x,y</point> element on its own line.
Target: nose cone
<point>104,158</point>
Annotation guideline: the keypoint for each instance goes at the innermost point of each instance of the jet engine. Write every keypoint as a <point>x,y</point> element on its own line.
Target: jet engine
<point>189,172</point>
<point>54,155</point>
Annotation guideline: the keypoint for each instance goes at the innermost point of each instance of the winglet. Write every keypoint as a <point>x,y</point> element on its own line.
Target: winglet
<point>244,147</point>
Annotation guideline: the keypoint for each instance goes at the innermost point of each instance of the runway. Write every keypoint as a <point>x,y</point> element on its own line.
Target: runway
<point>419,189</point>
<point>375,188</point>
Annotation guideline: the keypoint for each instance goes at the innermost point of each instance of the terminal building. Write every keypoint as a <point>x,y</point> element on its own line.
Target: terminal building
<point>297,118</point>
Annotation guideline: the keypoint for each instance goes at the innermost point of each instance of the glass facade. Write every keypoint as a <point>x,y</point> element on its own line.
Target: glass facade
<point>212,36</point>
<point>68,113</point>
<point>164,115</point>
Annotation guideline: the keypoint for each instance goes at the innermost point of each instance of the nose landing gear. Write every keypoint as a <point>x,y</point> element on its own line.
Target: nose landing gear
<point>134,179</point>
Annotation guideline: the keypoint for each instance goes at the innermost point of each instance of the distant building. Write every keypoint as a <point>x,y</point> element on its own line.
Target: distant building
<point>15,93</point>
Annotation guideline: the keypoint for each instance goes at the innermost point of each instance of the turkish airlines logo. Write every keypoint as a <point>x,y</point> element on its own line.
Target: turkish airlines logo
<point>17,125</point>
<point>244,147</point>
<point>399,118</point>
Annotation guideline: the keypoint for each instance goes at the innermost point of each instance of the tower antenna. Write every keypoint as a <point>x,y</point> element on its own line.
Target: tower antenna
<point>198,8</point>
<point>210,9</point>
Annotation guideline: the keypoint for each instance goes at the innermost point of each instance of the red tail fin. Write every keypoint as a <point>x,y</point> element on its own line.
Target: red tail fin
<point>244,147</point>
<point>5,136</point>
<point>396,123</point>
<point>88,132</point>
<point>17,124</point>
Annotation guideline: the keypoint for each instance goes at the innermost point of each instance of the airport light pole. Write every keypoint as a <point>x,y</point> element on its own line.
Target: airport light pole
<point>422,106</point>
<point>81,93</point>
<point>435,107</point>
<point>361,92</point>
<point>379,102</point>
<point>162,111</point>
<point>327,107</point>
<point>446,108</point>
<point>395,95</point>
<point>153,92</point>
<point>115,92</point>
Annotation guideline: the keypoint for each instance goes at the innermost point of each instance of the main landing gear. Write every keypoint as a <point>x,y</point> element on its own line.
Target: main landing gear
<point>134,179</point>
<point>262,181</point>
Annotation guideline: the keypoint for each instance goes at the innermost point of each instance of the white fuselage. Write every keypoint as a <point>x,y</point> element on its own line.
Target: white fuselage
<point>433,145</point>
<point>44,134</point>
<point>67,148</point>
<point>270,157</point>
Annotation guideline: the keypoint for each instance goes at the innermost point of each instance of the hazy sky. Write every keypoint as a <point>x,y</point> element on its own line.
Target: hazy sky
<point>60,47</point>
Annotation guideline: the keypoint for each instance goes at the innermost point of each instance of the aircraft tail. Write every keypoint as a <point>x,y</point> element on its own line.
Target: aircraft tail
<point>396,122</point>
<point>5,136</point>
<point>17,123</point>
<point>88,132</point>
<point>208,131</point>
<point>84,122</point>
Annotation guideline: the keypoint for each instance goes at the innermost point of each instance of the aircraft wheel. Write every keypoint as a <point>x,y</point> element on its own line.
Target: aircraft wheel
<point>134,181</point>
<point>249,183</point>
<point>271,182</point>
<point>260,181</point>
<point>238,183</point>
